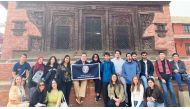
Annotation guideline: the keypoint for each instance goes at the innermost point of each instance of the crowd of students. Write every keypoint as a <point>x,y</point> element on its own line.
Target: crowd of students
<point>122,83</point>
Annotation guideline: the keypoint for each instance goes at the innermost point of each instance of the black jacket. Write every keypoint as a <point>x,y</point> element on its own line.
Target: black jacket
<point>155,93</point>
<point>182,68</point>
<point>150,67</point>
<point>38,97</point>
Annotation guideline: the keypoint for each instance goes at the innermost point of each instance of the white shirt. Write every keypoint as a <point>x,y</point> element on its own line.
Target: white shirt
<point>146,67</point>
<point>118,63</point>
<point>137,96</point>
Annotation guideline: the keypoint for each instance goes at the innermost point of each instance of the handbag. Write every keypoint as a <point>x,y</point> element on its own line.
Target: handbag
<point>37,76</point>
<point>63,102</point>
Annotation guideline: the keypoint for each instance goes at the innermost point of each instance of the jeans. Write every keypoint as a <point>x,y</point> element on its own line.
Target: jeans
<point>125,87</point>
<point>66,88</point>
<point>179,82</point>
<point>141,105</point>
<point>105,93</point>
<point>31,92</point>
<point>155,104</point>
<point>111,103</point>
<point>144,81</point>
<point>165,86</point>
<point>98,84</point>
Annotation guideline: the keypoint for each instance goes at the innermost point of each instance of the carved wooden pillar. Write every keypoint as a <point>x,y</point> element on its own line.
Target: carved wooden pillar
<point>107,30</point>
<point>80,30</point>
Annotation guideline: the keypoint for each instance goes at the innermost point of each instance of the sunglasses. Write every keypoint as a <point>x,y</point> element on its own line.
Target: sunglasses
<point>41,85</point>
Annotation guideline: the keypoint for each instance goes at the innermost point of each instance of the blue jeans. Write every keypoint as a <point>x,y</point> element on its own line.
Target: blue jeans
<point>31,92</point>
<point>179,82</point>
<point>144,82</point>
<point>165,86</point>
<point>141,105</point>
<point>155,104</point>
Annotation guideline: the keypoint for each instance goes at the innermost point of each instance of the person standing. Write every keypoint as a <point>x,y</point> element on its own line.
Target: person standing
<point>107,69</point>
<point>98,83</point>
<point>22,69</point>
<point>164,73</point>
<point>147,69</point>
<point>80,85</point>
<point>153,95</point>
<point>129,69</point>
<point>179,72</point>
<point>64,77</point>
<point>51,68</point>
<point>118,63</point>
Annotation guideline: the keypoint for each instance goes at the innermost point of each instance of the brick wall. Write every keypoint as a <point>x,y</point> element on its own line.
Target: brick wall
<point>12,42</point>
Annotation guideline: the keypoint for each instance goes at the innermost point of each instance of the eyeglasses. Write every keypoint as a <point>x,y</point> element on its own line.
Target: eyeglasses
<point>144,55</point>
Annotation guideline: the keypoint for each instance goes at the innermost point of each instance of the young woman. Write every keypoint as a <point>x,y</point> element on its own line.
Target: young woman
<point>17,94</point>
<point>51,68</point>
<point>54,96</point>
<point>38,99</point>
<point>115,93</point>
<point>38,68</point>
<point>154,95</point>
<point>137,93</point>
<point>96,59</point>
<point>64,77</point>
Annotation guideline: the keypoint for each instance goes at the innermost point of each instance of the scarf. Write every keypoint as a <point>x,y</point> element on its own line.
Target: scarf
<point>38,66</point>
<point>160,67</point>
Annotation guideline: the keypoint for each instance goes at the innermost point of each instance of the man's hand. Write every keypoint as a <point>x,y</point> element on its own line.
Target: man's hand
<point>163,81</point>
<point>176,71</point>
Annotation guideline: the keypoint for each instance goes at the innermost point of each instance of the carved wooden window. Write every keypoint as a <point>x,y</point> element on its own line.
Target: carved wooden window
<point>187,46</point>
<point>18,28</point>
<point>62,35</point>
<point>186,28</point>
<point>34,43</point>
<point>122,31</point>
<point>93,36</point>
<point>161,29</point>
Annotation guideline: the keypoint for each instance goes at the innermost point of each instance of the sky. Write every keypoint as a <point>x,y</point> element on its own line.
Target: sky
<point>177,8</point>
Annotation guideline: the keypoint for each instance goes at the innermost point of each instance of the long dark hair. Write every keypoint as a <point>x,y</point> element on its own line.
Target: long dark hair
<point>133,84</point>
<point>56,83</point>
<point>38,87</point>
<point>69,64</point>
<point>55,65</point>
<point>155,85</point>
<point>98,61</point>
<point>117,81</point>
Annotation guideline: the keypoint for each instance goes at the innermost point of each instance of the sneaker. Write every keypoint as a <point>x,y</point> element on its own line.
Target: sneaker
<point>97,98</point>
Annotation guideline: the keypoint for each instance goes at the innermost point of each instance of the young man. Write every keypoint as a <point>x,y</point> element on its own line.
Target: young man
<point>147,69</point>
<point>129,69</point>
<point>164,73</point>
<point>80,85</point>
<point>22,69</point>
<point>179,72</point>
<point>107,69</point>
<point>118,63</point>
<point>134,58</point>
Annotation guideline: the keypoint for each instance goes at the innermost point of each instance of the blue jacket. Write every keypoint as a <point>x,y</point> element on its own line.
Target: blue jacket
<point>107,69</point>
<point>130,69</point>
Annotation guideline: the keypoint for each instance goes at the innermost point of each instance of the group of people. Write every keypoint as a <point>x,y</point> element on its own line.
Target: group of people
<point>129,82</point>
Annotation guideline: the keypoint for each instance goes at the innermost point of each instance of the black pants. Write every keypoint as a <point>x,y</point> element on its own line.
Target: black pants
<point>111,103</point>
<point>105,93</point>
<point>98,85</point>
<point>129,94</point>
<point>66,88</point>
